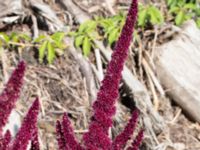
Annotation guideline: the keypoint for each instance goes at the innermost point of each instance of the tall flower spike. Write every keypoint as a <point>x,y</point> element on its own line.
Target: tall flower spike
<point>29,126</point>
<point>121,140</point>
<point>136,143</point>
<point>60,136</point>
<point>71,142</point>
<point>4,142</point>
<point>35,141</point>
<point>10,94</point>
<point>65,135</point>
<point>104,108</point>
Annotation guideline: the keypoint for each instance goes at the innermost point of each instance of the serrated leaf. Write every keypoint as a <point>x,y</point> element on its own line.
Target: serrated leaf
<point>155,15</point>
<point>142,17</point>
<point>113,36</point>
<point>173,3</point>
<point>197,11</point>
<point>109,30</point>
<point>58,37</point>
<point>198,22</point>
<point>72,33</point>
<point>51,53</point>
<point>25,37</point>
<point>40,39</point>
<point>181,3</point>
<point>106,23</point>
<point>188,16</point>
<point>190,6</point>
<point>14,37</point>
<point>91,26</point>
<point>169,2</point>
<point>179,18</point>
<point>86,46</point>
<point>82,27</point>
<point>42,49</point>
<point>95,36</point>
<point>79,41</point>
<point>4,37</point>
<point>87,26</point>
<point>174,10</point>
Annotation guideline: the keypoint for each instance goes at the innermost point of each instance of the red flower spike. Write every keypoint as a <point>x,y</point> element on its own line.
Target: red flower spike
<point>28,128</point>
<point>98,141</point>
<point>104,107</point>
<point>35,145</point>
<point>138,140</point>
<point>60,136</point>
<point>121,140</point>
<point>4,142</point>
<point>108,92</point>
<point>70,140</point>
<point>11,93</point>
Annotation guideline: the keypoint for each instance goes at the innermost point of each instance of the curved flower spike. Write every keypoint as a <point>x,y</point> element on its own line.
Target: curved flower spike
<point>11,93</point>
<point>4,142</point>
<point>28,128</point>
<point>121,140</point>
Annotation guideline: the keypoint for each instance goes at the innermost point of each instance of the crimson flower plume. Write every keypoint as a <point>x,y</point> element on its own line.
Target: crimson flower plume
<point>10,94</point>
<point>28,129</point>
<point>104,107</point>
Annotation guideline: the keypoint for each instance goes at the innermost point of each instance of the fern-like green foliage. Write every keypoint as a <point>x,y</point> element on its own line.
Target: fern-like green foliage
<point>48,45</point>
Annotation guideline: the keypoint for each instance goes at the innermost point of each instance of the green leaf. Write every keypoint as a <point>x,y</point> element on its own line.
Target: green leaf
<point>113,36</point>
<point>198,22</point>
<point>179,18</point>
<point>174,10</point>
<point>136,36</point>
<point>94,36</point>
<point>109,30</point>
<point>188,16</point>
<point>87,26</point>
<point>72,33</point>
<point>82,27</point>
<point>58,37</point>
<point>190,6</point>
<point>197,11</point>
<point>155,15</point>
<point>106,23</point>
<point>14,37</point>
<point>4,37</point>
<point>91,26</point>
<point>51,52</point>
<point>86,46</point>
<point>25,37</point>
<point>169,2</point>
<point>142,18</point>
<point>40,39</point>
<point>42,49</point>
<point>79,41</point>
<point>181,3</point>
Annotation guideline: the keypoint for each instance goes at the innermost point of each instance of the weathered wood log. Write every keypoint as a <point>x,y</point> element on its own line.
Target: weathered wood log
<point>178,69</point>
<point>16,10</point>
